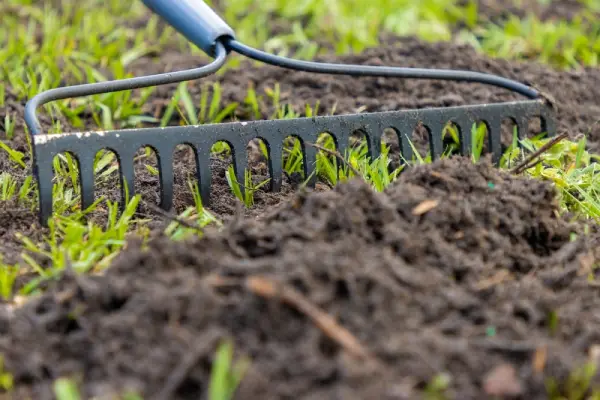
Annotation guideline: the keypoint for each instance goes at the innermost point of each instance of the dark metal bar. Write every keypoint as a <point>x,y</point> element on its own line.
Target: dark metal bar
<point>125,142</point>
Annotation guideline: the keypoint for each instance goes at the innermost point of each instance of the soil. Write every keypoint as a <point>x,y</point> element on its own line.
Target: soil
<point>456,269</point>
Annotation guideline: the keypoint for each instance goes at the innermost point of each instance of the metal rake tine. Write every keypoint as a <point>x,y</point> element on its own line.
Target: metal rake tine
<point>275,163</point>
<point>86,179</point>
<point>164,155</point>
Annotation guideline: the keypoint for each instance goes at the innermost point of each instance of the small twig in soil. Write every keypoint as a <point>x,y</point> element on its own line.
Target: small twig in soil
<point>269,289</point>
<point>181,371</point>
<point>171,217</point>
<point>524,165</point>
<point>532,164</point>
<point>496,279</point>
<point>444,177</point>
<point>337,154</point>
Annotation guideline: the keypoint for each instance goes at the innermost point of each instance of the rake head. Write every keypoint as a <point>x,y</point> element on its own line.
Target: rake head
<point>205,29</point>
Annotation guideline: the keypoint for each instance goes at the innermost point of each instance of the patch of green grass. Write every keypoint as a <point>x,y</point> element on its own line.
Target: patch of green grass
<point>347,26</point>
<point>87,246</point>
<point>563,44</point>
<point>82,246</point>
<point>68,389</point>
<point>82,41</point>
<point>578,385</point>
<point>571,168</point>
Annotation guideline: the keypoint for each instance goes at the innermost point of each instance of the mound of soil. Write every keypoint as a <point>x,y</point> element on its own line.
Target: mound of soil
<point>457,269</point>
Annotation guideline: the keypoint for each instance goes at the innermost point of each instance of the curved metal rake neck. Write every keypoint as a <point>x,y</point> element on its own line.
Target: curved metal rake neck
<point>378,71</point>
<point>33,123</point>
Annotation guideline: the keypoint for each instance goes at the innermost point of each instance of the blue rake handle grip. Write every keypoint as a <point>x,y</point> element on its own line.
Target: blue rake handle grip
<point>195,20</point>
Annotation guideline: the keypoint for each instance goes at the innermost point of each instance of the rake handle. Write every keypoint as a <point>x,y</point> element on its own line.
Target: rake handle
<point>195,20</point>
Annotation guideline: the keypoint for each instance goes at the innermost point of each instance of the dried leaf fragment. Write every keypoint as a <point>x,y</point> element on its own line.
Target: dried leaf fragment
<point>425,206</point>
<point>539,360</point>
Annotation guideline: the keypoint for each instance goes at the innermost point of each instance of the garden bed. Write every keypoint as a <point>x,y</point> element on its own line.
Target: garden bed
<point>456,275</point>
<point>458,279</point>
<point>574,94</point>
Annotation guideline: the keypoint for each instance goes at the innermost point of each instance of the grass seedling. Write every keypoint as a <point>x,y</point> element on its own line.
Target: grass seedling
<point>478,136</point>
<point>247,194</point>
<point>8,276</point>
<point>578,385</point>
<point>198,214</point>
<point>252,102</point>
<point>226,375</point>
<point>9,127</point>
<point>436,388</point>
<point>66,389</point>
<point>6,379</point>
<point>8,186</point>
<point>14,155</point>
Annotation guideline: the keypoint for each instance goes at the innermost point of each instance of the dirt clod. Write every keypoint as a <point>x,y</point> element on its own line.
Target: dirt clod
<point>502,381</point>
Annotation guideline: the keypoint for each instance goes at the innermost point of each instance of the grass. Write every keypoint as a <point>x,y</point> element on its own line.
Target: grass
<point>564,44</point>
<point>91,40</point>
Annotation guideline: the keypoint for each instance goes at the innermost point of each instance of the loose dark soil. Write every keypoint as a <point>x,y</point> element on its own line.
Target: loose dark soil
<point>455,269</point>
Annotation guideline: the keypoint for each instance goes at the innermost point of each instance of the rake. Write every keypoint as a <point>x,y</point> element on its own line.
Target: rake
<point>199,24</point>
